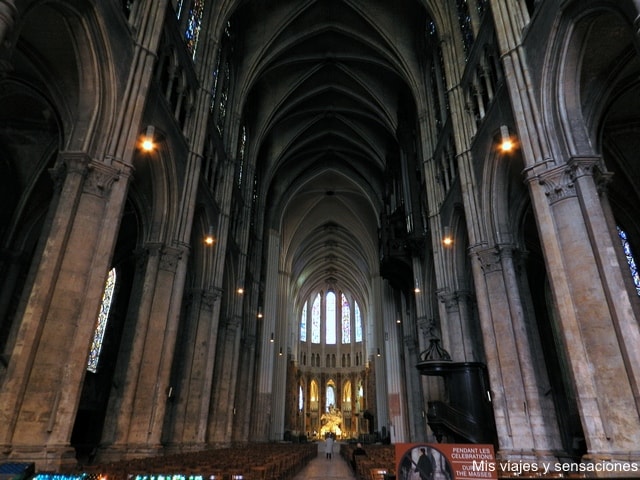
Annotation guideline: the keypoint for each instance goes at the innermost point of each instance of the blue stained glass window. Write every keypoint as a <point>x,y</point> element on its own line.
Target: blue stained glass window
<point>626,247</point>
<point>303,323</point>
<point>482,6</point>
<point>464,19</point>
<point>358,322</point>
<point>103,318</point>
<point>192,33</point>
<point>330,318</point>
<point>346,320</point>
<point>179,8</point>
<point>315,320</point>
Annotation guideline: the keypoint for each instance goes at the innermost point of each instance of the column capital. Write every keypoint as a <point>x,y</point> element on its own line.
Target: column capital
<point>429,328</point>
<point>559,182</point>
<point>169,258</point>
<point>205,298</point>
<point>491,257</point>
<point>69,163</point>
<point>100,178</point>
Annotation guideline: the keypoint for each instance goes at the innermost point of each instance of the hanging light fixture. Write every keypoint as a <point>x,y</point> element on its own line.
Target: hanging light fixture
<point>148,143</point>
<point>272,338</point>
<point>209,238</point>
<point>447,239</point>
<point>507,143</point>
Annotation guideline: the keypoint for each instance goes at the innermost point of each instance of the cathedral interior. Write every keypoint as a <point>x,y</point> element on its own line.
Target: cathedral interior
<point>264,221</point>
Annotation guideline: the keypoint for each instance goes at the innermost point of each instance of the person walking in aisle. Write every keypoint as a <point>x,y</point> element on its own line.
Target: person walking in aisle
<point>329,446</point>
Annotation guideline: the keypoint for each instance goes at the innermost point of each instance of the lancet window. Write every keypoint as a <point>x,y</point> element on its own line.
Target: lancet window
<point>103,318</point>
<point>631,261</point>
<point>327,315</point>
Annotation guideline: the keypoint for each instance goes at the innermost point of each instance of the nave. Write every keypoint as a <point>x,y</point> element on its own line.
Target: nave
<point>320,468</point>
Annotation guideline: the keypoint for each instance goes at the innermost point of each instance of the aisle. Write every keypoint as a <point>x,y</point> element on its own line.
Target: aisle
<point>320,468</point>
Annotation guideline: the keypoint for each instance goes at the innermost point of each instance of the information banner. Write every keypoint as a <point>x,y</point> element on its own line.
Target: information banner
<point>445,461</point>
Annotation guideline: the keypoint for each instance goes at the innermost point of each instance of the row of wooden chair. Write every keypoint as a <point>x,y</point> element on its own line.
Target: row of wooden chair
<point>254,461</point>
<point>377,464</point>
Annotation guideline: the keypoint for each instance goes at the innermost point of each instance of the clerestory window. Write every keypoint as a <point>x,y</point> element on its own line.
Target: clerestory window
<point>103,318</point>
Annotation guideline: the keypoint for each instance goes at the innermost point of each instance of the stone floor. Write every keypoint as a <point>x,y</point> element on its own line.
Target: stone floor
<point>322,469</point>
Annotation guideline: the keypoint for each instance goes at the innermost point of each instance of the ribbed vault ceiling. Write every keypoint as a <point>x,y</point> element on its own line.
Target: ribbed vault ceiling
<point>326,83</point>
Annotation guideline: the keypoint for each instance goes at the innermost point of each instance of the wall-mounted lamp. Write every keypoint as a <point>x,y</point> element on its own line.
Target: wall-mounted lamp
<point>209,238</point>
<point>272,338</point>
<point>378,354</point>
<point>147,143</point>
<point>447,239</point>
<point>280,352</point>
<point>507,143</point>
<point>259,312</point>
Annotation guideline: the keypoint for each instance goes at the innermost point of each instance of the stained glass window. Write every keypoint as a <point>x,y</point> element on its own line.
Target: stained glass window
<point>464,19</point>
<point>224,95</point>
<point>194,23</point>
<point>127,5</point>
<point>358,321</point>
<point>315,320</point>
<point>346,320</point>
<point>300,398</point>
<point>179,8</point>
<point>626,247</point>
<point>103,317</point>
<point>331,397</point>
<point>482,6</point>
<point>241,152</point>
<point>330,319</point>
<point>303,323</point>
<point>214,87</point>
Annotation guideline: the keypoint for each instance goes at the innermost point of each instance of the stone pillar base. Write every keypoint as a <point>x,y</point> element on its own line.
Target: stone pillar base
<point>50,458</point>
<point>116,453</point>
<point>174,448</point>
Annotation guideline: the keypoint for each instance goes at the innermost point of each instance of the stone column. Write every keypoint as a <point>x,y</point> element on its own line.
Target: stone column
<point>281,362</point>
<point>143,373</point>
<point>43,383</point>
<point>10,268</point>
<point>398,421</point>
<point>193,392</point>
<point>226,377</point>
<point>456,335</point>
<point>377,393</point>
<point>245,386</point>
<point>525,429</point>
<point>596,319</point>
<point>261,414</point>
